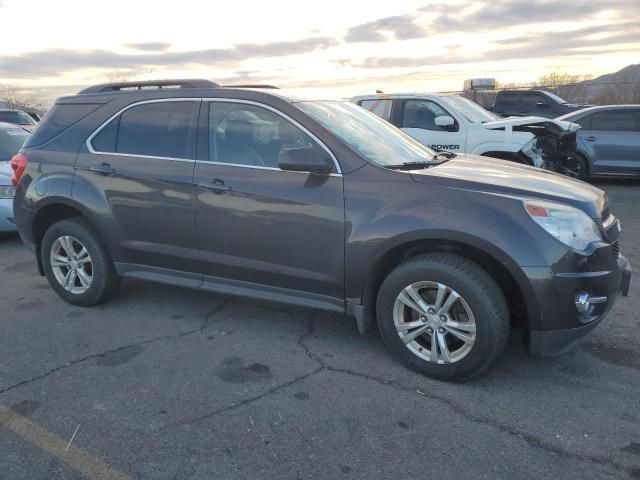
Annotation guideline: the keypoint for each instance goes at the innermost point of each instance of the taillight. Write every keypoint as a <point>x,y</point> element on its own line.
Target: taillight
<point>18,165</point>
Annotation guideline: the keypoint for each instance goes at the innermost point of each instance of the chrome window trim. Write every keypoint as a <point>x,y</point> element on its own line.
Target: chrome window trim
<point>135,155</point>
<point>286,117</point>
<point>211,99</point>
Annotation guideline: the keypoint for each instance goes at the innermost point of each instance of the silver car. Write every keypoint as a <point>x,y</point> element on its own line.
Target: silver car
<point>609,140</point>
<point>11,139</point>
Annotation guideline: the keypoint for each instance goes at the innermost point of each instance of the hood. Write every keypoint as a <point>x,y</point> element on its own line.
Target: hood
<point>534,124</point>
<point>5,173</point>
<point>488,175</point>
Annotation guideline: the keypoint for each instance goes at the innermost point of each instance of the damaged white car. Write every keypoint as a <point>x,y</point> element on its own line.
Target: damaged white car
<point>453,123</point>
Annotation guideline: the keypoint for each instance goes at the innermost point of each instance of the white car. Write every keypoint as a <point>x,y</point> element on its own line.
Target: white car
<point>456,124</point>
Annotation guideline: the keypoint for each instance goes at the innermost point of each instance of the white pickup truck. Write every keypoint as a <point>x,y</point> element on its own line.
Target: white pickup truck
<point>456,124</point>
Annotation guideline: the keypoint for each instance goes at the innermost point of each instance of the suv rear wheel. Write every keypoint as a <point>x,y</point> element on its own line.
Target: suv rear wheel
<point>77,264</point>
<point>443,315</point>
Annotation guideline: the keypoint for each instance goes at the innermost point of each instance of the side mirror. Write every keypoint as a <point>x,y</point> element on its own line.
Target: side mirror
<point>445,122</point>
<point>306,159</point>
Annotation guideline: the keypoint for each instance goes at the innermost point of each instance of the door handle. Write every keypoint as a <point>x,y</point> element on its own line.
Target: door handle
<point>591,139</point>
<point>216,186</point>
<point>102,169</point>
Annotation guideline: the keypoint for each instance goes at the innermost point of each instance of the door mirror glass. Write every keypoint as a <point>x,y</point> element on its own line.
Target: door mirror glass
<point>445,121</point>
<point>306,159</point>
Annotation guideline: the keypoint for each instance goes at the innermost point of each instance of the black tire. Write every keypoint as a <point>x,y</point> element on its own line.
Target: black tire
<point>480,292</point>
<point>105,281</point>
<point>581,168</point>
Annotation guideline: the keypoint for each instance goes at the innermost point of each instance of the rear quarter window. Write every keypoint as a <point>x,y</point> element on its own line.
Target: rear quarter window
<point>58,119</point>
<point>157,129</point>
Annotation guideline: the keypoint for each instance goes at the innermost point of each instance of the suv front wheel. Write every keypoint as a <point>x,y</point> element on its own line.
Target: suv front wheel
<point>77,264</point>
<point>443,315</point>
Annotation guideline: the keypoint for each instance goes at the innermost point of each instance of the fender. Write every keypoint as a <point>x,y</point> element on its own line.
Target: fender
<point>462,239</point>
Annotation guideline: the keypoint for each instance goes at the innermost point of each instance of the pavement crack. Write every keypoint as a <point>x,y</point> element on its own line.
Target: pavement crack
<point>244,402</point>
<point>307,334</point>
<point>207,318</point>
<point>529,438</point>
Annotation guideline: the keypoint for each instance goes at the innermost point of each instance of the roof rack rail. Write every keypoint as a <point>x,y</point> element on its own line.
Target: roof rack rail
<point>256,85</point>
<point>119,86</point>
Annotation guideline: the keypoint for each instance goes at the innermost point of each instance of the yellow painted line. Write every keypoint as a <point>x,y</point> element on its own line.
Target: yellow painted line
<point>80,460</point>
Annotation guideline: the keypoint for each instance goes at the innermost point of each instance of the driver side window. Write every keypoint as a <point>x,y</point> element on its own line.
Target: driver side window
<point>244,134</point>
<point>422,114</point>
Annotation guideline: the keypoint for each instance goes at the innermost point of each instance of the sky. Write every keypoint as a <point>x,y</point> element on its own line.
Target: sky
<point>336,48</point>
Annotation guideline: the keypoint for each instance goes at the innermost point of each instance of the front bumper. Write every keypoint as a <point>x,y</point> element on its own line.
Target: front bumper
<point>7,220</point>
<point>571,325</point>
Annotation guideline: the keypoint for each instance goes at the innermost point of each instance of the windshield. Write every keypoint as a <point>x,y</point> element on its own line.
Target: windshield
<point>11,139</point>
<point>16,117</point>
<point>473,112</point>
<point>373,138</point>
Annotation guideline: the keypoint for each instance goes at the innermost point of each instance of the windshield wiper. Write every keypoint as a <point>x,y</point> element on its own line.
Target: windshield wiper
<point>409,165</point>
<point>438,159</point>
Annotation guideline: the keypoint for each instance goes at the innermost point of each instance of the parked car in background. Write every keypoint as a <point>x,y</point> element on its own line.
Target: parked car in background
<point>521,103</point>
<point>18,117</point>
<point>456,124</point>
<point>11,139</point>
<point>35,115</point>
<point>315,203</point>
<point>608,140</point>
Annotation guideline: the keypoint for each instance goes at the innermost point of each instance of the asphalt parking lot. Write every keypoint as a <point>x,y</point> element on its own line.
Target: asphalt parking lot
<point>168,383</point>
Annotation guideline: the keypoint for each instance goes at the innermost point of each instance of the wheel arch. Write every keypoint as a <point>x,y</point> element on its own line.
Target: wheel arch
<point>55,210</point>
<point>510,279</point>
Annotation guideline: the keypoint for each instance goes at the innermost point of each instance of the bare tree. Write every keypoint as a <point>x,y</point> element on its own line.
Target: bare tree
<point>127,75</point>
<point>569,86</point>
<point>18,98</point>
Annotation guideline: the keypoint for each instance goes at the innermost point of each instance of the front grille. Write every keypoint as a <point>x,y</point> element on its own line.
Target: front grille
<point>606,213</point>
<point>616,249</point>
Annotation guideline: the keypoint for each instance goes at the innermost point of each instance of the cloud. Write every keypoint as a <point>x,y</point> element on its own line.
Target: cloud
<point>401,27</point>
<point>501,14</point>
<point>149,46</point>
<point>57,61</point>
<point>486,15</point>
<point>581,42</point>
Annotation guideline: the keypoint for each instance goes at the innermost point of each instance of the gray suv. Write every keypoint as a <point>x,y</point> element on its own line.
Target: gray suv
<point>316,203</point>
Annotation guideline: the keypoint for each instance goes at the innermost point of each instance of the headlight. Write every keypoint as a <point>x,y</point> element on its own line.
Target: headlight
<point>571,226</point>
<point>534,152</point>
<point>7,192</point>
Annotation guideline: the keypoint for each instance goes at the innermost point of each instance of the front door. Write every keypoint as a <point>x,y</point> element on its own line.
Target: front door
<point>417,118</point>
<point>141,164</point>
<point>263,231</point>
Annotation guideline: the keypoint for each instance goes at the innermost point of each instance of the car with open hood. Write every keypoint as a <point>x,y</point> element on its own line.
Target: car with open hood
<point>257,193</point>
<point>456,124</point>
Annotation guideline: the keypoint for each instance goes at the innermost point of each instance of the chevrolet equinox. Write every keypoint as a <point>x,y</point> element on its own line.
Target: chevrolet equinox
<point>248,191</point>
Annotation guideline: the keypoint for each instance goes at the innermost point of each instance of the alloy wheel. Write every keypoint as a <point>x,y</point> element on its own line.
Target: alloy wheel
<point>435,322</point>
<point>71,264</point>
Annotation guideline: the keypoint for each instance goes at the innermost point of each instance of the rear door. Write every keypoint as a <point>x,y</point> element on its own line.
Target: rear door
<point>261,230</point>
<point>137,177</point>
<point>611,138</point>
<point>417,118</point>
